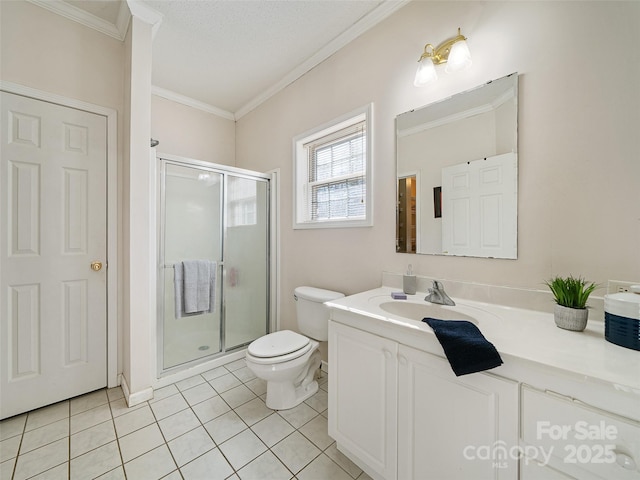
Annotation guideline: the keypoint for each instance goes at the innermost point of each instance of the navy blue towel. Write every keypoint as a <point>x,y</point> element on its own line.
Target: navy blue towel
<point>464,345</point>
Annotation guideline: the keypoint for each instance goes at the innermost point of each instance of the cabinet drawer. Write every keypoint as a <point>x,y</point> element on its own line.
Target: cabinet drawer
<point>579,439</point>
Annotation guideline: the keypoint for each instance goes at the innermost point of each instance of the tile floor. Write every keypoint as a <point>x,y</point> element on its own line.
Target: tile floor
<point>211,426</point>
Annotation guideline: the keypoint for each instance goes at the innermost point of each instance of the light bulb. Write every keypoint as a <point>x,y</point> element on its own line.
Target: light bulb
<point>426,72</point>
<point>459,57</point>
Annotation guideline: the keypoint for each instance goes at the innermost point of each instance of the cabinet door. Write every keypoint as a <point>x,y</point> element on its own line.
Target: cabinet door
<point>454,427</point>
<point>362,397</point>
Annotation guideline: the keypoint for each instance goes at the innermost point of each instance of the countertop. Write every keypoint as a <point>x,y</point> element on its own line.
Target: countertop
<point>519,335</point>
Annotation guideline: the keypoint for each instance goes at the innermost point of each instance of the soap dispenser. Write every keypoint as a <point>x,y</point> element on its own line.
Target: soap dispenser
<point>409,282</point>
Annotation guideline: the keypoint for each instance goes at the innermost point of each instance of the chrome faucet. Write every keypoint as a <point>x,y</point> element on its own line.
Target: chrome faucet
<point>438,295</point>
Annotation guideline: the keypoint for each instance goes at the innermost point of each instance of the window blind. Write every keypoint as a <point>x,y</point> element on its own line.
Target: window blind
<point>337,174</point>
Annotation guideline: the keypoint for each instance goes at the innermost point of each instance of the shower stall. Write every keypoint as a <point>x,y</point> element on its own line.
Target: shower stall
<point>219,216</point>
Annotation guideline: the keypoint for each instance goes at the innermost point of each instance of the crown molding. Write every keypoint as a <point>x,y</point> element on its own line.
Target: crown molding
<point>117,31</point>
<point>190,102</point>
<point>122,22</point>
<point>88,20</point>
<point>146,14</point>
<point>365,23</point>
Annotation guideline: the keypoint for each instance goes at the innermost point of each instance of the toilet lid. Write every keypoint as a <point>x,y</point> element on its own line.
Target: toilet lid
<point>277,344</point>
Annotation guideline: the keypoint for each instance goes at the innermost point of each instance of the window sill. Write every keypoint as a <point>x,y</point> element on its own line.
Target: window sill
<point>333,224</point>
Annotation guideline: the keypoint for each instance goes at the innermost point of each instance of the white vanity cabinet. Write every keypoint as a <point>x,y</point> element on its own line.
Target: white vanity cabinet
<point>563,405</point>
<point>402,414</point>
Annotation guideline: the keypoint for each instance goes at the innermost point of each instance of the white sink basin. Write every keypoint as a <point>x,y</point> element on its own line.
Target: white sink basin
<point>418,311</point>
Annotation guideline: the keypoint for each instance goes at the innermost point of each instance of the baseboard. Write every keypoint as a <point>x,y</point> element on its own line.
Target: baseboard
<point>173,377</point>
<point>324,366</point>
<point>137,398</point>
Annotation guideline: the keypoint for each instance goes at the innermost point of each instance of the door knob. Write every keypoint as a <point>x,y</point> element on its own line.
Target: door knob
<point>95,266</point>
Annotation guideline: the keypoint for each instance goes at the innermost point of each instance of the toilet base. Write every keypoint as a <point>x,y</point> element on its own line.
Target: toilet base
<point>286,395</point>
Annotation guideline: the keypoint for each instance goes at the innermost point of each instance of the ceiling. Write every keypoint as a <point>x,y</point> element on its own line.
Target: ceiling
<point>229,56</point>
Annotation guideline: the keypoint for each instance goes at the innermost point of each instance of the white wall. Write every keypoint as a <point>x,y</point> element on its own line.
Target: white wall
<point>579,113</point>
<point>189,132</point>
<point>46,51</point>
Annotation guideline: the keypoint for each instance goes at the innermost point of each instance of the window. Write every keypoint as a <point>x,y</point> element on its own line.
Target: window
<point>333,173</point>
<point>242,200</point>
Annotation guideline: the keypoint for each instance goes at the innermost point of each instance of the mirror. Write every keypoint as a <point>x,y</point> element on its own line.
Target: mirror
<point>457,174</point>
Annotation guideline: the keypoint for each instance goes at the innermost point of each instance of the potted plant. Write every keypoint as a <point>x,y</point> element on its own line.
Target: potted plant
<point>571,295</point>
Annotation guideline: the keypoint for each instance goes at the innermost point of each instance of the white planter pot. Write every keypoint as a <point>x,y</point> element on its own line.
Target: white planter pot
<point>571,318</point>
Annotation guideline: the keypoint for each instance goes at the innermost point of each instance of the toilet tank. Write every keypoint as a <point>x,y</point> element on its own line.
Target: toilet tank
<point>312,315</point>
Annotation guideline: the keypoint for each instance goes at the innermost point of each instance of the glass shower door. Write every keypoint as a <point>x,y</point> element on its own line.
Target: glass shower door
<point>246,254</point>
<point>191,230</point>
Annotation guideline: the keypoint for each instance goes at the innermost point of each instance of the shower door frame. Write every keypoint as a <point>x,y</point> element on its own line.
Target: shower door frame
<point>162,161</point>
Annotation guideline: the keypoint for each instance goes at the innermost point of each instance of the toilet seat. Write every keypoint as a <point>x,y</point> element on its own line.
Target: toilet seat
<point>279,347</point>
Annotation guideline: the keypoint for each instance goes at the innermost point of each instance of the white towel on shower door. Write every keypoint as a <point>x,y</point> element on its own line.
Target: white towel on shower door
<point>194,287</point>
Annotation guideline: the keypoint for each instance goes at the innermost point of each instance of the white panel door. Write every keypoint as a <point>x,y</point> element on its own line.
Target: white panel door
<point>458,191</point>
<point>479,207</point>
<point>52,228</point>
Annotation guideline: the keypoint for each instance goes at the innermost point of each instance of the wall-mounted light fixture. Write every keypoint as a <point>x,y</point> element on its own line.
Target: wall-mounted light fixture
<point>454,52</point>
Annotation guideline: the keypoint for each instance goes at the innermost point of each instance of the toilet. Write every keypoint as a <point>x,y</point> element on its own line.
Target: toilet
<point>287,360</point>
